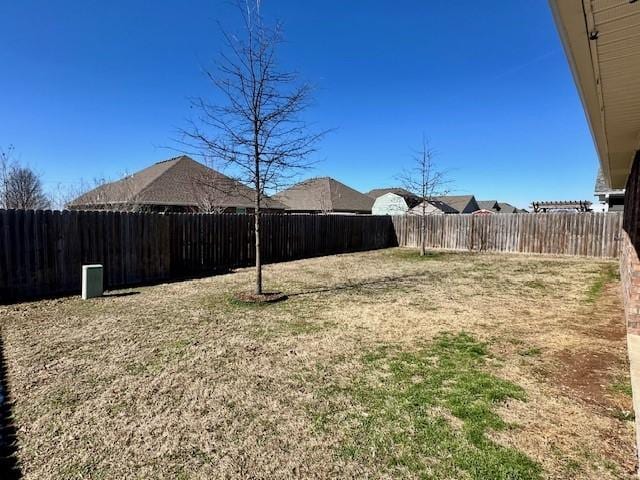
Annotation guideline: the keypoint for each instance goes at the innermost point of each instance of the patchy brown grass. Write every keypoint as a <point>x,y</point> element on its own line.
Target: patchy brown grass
<point>181,381</point>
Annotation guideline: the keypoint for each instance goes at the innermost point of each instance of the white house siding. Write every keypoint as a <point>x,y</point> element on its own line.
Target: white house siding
<point>389,204</point>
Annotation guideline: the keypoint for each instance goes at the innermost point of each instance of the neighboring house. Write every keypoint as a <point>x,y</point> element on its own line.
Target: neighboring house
<point>433,207</point>
<point>493,206</point>
<point>447,205</point>
<point>488,206</point>
<point>403,192</point>
<point>482,211</point>
<point>176,185</point>
<point>460,203</point>
<point>397,201</point>
<point>324,195</point>
<point>392,201</point>
<point>508,208</point>
<point>610,199</point>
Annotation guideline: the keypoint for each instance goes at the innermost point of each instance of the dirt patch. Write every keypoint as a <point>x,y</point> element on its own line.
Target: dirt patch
<point>609,315</point>
<point>589,377</point>
<point>586,375</point>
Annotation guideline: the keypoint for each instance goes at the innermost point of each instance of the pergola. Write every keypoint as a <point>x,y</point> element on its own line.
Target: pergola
<point>563,206</point>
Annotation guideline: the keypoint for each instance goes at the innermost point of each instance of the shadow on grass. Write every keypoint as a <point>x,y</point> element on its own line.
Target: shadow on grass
<point>17,296</point>
<point>384,281</point>
<point>9,468</point>
<point>119,294</point>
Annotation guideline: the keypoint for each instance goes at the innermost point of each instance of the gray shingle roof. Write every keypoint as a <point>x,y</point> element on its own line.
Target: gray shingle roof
<point>498,207</point>
<point>460,203</point>
<point>443,207</point>
<point>491,205</point>
<point>179,181</point>
<point>324,194</point>
<point>508,208</point>
<point>431,207</point>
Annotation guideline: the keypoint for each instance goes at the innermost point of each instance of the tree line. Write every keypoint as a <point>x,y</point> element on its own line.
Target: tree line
<point>20,186</point>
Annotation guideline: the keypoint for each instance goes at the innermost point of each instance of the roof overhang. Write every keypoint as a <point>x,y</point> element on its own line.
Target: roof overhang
<point>602,41</point>
<point>610,192</point>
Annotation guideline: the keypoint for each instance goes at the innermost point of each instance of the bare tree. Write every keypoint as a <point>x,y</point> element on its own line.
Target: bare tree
<point>425,180</point>
<point>257,131</point>
<point>6,160</point>
<point>324,202</point>
<point>63,193</point>
<point>208,201</point>
<point>20,187</point>
<point>24,190</point>
<point>101,194</point>
<point>214,192</point>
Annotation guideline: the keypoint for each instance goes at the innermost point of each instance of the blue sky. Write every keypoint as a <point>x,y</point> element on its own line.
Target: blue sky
<point>93,88</point>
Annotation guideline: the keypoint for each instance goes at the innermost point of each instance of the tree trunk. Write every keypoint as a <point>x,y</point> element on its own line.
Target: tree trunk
<point>256,214</point>
<point>256,218</point>
<point>423,240</point>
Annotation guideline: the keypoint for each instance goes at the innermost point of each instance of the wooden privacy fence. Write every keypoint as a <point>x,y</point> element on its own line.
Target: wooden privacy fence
<point>41,252</point>
<point>587,234</point>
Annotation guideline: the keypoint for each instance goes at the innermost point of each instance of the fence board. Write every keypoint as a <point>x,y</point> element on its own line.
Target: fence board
<point>590,234</point>
<point>41,252</point>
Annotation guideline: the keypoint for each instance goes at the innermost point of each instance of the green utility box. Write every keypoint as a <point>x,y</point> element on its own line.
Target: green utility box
<point>92,281</point>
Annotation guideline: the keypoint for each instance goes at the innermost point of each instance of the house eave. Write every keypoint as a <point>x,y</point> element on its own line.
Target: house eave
<point>599,43</point>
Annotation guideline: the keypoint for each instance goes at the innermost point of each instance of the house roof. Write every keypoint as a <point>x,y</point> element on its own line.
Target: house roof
<point>324,194</point>
<point>460,203</point>
<point>431,206</point>
<point>444,207</point>
<point>497,207</point>
<point>179,181</point>
<point>489,205</point>
<point>600,38</point>
<point>602,186</point>
<point>508,208</point>
<point>411,198</point>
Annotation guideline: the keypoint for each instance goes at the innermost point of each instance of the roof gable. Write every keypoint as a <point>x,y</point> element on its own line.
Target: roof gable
<point>488,205</point>
<point>507,208</point>
<point>179,181</point>
<point>460,203</point>
<point>324,194</point>
<point>431,207</point>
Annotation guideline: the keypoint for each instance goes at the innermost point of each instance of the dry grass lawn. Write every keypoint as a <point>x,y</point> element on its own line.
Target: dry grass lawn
<point>379,365</point>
